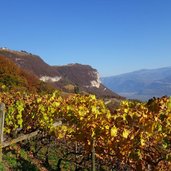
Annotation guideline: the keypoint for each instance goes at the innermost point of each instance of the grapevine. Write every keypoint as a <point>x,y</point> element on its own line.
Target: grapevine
<point>135,135</point>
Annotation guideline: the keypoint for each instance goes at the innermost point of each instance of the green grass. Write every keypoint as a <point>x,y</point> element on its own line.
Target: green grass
<point>2,167</point>
<point>23,160</point>
<point>19,161</point>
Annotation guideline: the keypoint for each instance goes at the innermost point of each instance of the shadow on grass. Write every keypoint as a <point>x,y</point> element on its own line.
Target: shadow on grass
<point>25,165</point>
<point>48,167</point>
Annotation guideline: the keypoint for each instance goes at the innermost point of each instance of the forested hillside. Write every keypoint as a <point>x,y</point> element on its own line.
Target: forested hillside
<point>70,78</point>
<point>14,78</point>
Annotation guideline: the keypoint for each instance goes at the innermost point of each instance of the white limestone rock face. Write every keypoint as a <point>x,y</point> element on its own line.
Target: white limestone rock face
<point>95,83</point>
<point>19,61</point>
<point>50,79</point>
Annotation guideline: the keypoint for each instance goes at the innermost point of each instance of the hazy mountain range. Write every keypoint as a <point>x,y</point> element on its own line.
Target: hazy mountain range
<point>142,84</point>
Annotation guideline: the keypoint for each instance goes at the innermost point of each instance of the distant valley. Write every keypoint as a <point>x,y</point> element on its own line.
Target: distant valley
<point>142,84</point>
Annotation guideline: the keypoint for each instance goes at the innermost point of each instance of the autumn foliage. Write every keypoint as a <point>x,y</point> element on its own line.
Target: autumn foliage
<point>12,77</point>
<point>136,136</point>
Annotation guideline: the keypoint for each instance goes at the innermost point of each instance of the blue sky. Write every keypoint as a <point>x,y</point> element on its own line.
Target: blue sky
<point>113,36</point>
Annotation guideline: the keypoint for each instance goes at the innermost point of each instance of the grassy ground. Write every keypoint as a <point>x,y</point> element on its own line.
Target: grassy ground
<point>19,159</point>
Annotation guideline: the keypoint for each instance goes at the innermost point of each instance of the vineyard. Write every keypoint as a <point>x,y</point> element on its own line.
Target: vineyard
<point>85,135</point>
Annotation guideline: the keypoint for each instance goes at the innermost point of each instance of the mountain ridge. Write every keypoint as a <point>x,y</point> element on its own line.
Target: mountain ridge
<point>141,84</point>
<point>69,78</point>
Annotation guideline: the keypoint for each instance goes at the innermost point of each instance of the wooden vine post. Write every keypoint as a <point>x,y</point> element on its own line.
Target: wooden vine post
<point>93,153</point>
<point>2,117</point>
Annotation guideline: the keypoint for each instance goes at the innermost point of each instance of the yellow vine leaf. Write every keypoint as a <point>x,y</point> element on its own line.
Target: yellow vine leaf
<point>107,126</point>
<point>114,131</point>
<point>126,110</point>
<point>125,133</point>
<point>39,100</point>
<point>142,141</point>
<point>93,134</point>
<point>108,115</point>
<point>94,109</point>
<point>169,103</point>
<point>93,97</point>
